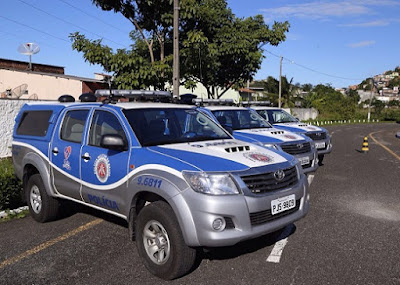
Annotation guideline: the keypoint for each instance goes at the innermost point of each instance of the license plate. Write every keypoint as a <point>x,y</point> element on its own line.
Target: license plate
<point>283,204</point>
<point>304,160</point>
<point>320,145</point>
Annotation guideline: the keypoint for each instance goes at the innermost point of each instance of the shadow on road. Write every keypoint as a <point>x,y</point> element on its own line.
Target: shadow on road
<point>71,208</point>
<point>221,253</point>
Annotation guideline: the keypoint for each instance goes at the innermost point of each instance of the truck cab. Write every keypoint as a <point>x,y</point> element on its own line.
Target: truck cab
<point>247,125</point>
<point>281,119</point>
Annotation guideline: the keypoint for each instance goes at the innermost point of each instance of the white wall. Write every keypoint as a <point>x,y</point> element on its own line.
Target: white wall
<point>46,87</point>
<point>8,111</point>
<point>305,113</point>
<point>201,92</point>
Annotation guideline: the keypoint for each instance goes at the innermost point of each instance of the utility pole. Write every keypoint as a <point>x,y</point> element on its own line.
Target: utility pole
<point>370,101</point>
<point>280,81</point>
<point>176,50</point>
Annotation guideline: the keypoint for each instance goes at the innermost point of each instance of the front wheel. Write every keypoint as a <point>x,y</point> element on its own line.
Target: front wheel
<point>42,207</point>
<point>160,242</point>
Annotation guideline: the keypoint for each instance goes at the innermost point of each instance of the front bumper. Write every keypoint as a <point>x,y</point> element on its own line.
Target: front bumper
<point>247,216</point>
<point>312,164</point>
<point>327,148</point>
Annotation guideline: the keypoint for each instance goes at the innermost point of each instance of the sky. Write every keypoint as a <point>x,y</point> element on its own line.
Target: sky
<point>329,42</point>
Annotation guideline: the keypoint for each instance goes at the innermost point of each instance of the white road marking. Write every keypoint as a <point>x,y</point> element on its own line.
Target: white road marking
<point>310,178</point>
<point>276,252</point>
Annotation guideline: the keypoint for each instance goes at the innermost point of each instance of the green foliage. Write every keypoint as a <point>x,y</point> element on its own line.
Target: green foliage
<point>14,215</point>
<point>10,186</point>
<point>271,85</point>
<point>353,94</point>
<point>394,82</point>
<point>390,115</point>
<point>378,106</point>
<point>216,48</point>
<point>331,104</point>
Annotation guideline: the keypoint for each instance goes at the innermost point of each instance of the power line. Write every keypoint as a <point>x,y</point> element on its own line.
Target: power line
<point>18,37</point>
<point>91,16</point>
<point>37,30</point>
<point>69,23</point>
<point>313,70</point>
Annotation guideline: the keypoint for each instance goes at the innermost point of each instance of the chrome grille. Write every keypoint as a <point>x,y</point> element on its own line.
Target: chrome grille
<point>263,183</point>
<point>297,148</point>
<point>316,136</point>
<point>262,217</point>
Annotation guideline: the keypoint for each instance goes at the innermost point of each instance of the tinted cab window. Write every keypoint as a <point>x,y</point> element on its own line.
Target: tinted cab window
<point>34,123</point>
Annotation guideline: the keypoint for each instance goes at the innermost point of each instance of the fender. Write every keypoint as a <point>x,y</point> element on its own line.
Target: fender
<point>43,168</point>
<point>171,191</point>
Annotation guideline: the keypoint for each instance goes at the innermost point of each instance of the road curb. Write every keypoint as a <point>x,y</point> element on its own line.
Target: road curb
<point>5,214</point>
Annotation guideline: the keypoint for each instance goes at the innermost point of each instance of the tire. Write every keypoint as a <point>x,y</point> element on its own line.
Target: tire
<point>42,207</point>
<point>160,242</point>
<point>320,159</point>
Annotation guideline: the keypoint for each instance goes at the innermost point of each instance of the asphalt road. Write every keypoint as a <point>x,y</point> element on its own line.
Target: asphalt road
<point>350,236</point>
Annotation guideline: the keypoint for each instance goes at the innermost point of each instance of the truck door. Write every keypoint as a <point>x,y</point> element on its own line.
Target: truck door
<point>103,170</point>
<point>65,153</point>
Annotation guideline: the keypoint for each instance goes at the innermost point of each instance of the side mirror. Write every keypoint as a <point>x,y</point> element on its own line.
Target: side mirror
<point>114,142</point>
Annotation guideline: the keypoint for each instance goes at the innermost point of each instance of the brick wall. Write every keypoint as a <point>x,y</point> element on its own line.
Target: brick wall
<point>23,66</point>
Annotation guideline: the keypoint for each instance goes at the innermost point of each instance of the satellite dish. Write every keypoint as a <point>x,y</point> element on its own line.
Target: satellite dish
<point>19,91</point>
<point>34,96</point>
<point>29,49</point>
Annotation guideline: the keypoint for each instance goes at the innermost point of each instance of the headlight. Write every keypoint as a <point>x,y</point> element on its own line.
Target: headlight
<point>273,146</point>
<point>213,184</point>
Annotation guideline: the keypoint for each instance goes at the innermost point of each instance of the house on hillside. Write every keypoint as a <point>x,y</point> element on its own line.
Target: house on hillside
<point>43,82</point>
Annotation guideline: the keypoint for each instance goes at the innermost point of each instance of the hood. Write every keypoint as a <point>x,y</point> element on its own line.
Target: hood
<point>269,135</point>
<point>299,127</point>
<point>220,155</point>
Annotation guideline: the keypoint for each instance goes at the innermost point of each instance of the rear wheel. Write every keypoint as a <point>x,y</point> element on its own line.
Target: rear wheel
<point>160,242</point>
<point>43,208</point>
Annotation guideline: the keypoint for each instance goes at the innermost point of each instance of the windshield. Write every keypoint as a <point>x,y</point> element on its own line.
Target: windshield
<point>240,119</point>
<point>277,116</point>
<point>158,126</point>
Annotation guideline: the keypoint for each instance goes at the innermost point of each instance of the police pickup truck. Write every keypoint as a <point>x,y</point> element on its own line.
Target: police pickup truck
<point>247,125</point>
<point>283,120</point>
<point>179,179</point>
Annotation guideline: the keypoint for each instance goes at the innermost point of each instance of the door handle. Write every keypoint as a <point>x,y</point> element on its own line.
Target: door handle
<point>86,156</point>
<point>55,150</point>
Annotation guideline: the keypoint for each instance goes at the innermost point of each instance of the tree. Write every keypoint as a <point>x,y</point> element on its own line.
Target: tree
<point>271,85</point>
<point>353,94</point>
<point>394,103</point>
<point>332,104</point>
<point>378,106</point>
<point>394,82</point>
<point>217,48</point>
<point>307,87</point>
<point>287,90</point>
